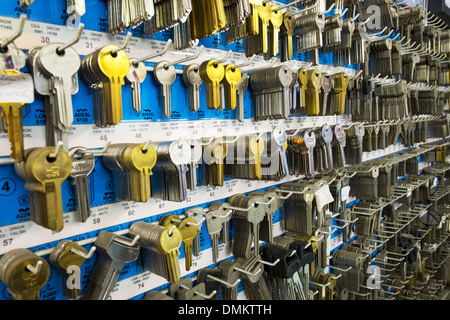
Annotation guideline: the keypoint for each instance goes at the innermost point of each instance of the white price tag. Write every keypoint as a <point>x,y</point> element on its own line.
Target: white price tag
<point>16,88</point>
<point>323,197</point>
<point>345,191</point>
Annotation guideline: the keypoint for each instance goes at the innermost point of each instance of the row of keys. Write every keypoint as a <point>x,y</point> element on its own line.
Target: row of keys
<point>167,170</point>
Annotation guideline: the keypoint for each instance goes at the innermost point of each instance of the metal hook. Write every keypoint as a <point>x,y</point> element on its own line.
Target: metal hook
<point>378,33</point>
<point>147,144</point>
<point>289,194</point>
<point>358,74</point>
<point>229,141</point>
<point>154,55</point>
<point>171,230</point>
<point>229,285</point>
<point>330,233</point>
<point>249,62</point>
<point>388,35</point>
<point>57,151</point>
<point>128,242</point>
<point>84,255</point>
<point>365,22</point>
<point>248,272</point>
<point>293,64</point>
<point>272,264</point>
<point>96,152</point>
<point>224,216</point>
<point>329,9</point>
<point>200,293</point>
<point>343,12</point>
<point>406,44</point>
<point>18,33</point>
<point>320,284</point>
<point>266,203</point>
<point>36,268</point>
<point>287,5</point>
<point>292,253</point>
<point>272,63</point>
<point>61,49</point>
<point>124,45</point>
<point>203,143</point>
<point>306,9</point>
<point>224,59</point>
<point>197,224</point>
<point>318,239</point>
<point>195,56</point>
<point>355,17</point>
<point>241,209</point>
<point>207,297</point>
<point>339,269</point>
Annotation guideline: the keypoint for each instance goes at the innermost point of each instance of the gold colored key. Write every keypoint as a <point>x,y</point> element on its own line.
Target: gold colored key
<point>230,82</point>
<point>212,74</point>
<point>68,258</point>
<point>219,151</point>
<point>253,21</point>
<point>168,220</point>
<point>188,231</point>
<point>45,174</point>
<point>265,14</point>
<point>303,82</point>
<point>12,113</point>
<point>341,81</point>
<point>140,164</point>
<point>314,86</point>
<point>327,292</point>
<point>113,68</point>
<point>169,244</point>
<point>24,273</point>
<point>220,14</point>
<point>255,150</point>
<point>289,27</point>
<point>276,20</point>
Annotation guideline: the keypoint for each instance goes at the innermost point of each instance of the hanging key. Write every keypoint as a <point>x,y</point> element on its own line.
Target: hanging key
<point>139,160</point>
<point>213,227</point>
<point>212,73</point>
<point>230,81</point>
<point>165,76</point>
<point>11,111</point>
<point>67,256</point>
<point>314,86</point>
<point>44,170</point>
<point>135,76</point>
<point>241,89</point>
<point>82,166</point>
<point>24,273</point>
<point>114,252</point>
<point>191,76</point>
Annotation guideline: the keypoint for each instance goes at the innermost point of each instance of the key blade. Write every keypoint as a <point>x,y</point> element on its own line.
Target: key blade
<point>13,115</point>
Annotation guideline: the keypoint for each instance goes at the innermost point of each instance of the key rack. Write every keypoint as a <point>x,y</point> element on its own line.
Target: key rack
<point>27,25</point>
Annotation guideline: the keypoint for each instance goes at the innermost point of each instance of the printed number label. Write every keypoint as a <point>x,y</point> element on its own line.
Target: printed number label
<point>7,187</point>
